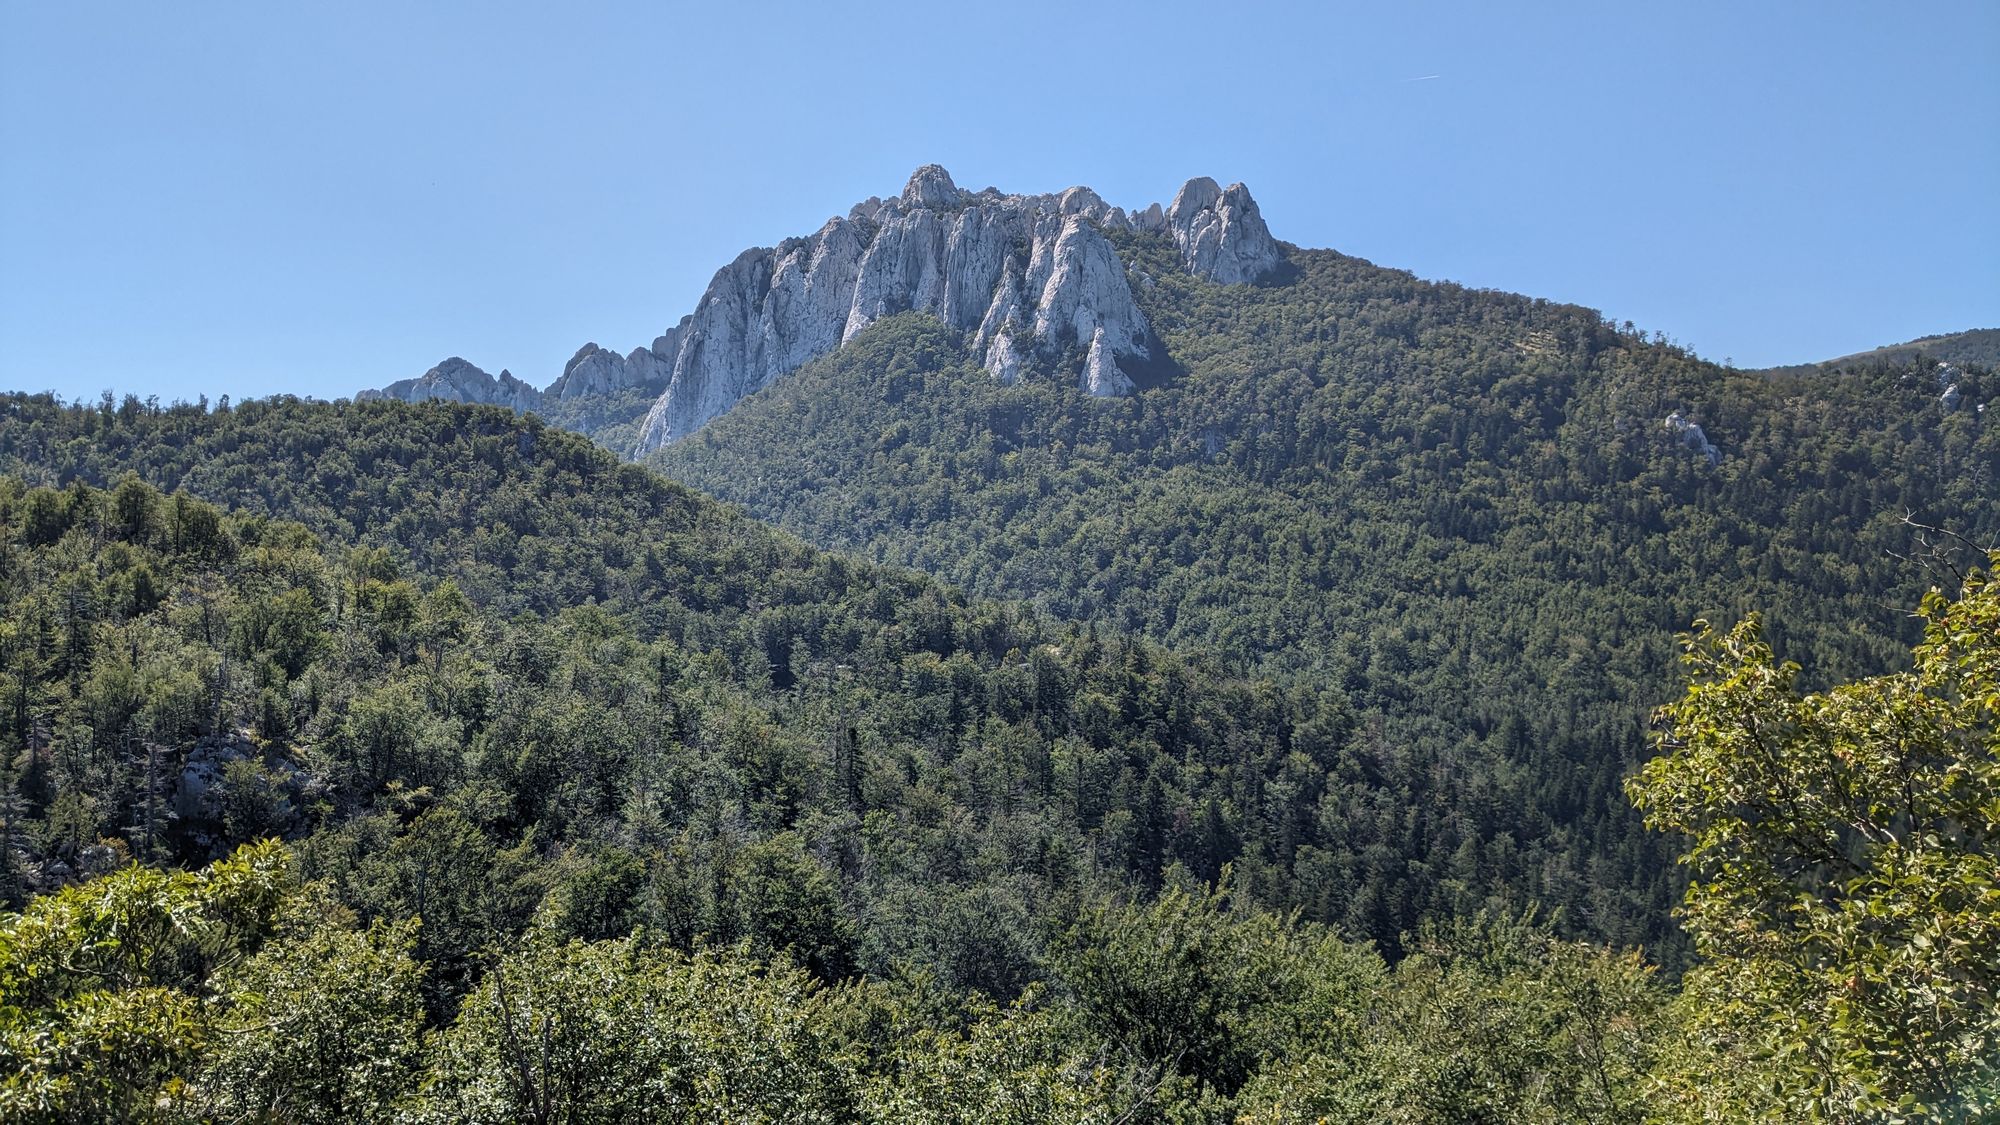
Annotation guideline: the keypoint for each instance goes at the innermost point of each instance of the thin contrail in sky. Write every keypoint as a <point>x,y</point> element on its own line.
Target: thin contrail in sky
<point>1423,78</point>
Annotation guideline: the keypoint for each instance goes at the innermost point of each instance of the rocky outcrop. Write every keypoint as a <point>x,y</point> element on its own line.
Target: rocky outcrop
<point>1022,275</point>
<point>1692,436</point>
<point>1220,233</point>
<point>1032,280</point>
<point>601,371</point>
<point>227,769</point>
<point>455,380</point>
<point>591,371</point>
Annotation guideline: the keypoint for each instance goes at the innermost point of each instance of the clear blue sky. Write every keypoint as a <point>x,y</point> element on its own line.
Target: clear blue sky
<point>242,198</point>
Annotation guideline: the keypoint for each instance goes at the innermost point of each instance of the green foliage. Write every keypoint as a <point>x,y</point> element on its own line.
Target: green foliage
<point>1184,1009</point>
<point>324,1025</point>
<point>1461,509</point>
<point>833,742</point>
<point>140,928</point>
<point>1187,993</point>
<point>1488,1020</point>
<point>634,808</point>
<point>1012,1066</point>
<point>794,909</point>
<point>1846,894</point>
<point>103,985</point>
<point>617,1031</point>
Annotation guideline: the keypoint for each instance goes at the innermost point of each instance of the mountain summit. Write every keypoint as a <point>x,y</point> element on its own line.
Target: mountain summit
<point>1026,277</point>
<point>456,380</point>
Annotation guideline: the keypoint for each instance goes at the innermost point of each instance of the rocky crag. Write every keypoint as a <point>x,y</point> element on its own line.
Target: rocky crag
<point>455,380</point>
<point>1027,278</point>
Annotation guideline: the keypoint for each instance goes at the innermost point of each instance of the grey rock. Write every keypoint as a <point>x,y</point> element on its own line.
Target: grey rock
<point>201,792</point>
<point>1004,359</point>
<point>930,187</point>
<point>1016,273</point>
<point>1085,300</point>
<point>1029,279</point>
<point>455,380</point>
<point>1085,202</point>
<point>1220,233</point>
<point>1102,376</point>
<point>1950,399</point>
<point>1691,435</point>
<point>592,371</point>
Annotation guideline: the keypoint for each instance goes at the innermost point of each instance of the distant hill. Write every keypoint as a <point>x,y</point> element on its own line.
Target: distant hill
<point>1977,346</point>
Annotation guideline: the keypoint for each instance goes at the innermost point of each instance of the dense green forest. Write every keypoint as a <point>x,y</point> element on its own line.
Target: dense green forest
<point>592,656</point>
<point>544,740</point>
<point>1463,511</point>
<point>1313,808</point>
<point>1978,347</point>
<point>542,869</point>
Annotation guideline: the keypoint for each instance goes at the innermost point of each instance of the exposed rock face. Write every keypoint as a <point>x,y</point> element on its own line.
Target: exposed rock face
<point>455,380</point>
<point>201,793</point>
<point>930,186</point>
<point>591,371</point>
<point>1084,299</point>
<point>1220,233</point>
<point>1691,435</point>
<point>600,371</point>
<point>1025,277</point>
<point>1017,273</point>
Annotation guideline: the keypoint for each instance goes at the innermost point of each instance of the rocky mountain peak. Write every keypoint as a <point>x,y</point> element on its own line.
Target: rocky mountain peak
<point>1023,276</point>
<point>456,368</point>
<point>456,380</point>
<point>1197,195</point>
<point>932,187</point>
<point>1017,273</point>
<point>1220,233</point>
<point>583,354</point>
<point>601,371</point>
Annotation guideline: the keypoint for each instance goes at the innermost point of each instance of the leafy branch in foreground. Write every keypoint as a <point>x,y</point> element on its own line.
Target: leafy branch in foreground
<point>1845,901</point>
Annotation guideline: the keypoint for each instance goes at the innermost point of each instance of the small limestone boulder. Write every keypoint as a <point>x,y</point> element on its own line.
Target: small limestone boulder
<point>1692,436</point>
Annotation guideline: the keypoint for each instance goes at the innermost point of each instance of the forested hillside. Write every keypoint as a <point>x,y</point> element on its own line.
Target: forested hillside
<point>591,656</point>
<point>402,858</point>
<point>1354,445</point>
<point>1315,807</point>
<point>550,741</point>
<point>1480,518</point>
<point>1978,347</point>
<point>504,696</point>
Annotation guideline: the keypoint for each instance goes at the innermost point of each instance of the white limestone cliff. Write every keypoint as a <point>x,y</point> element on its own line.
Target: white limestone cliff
<point>600,371</point>
<point>1032,281</point>
<point>1220,233</point>
<point>1016,273</point>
